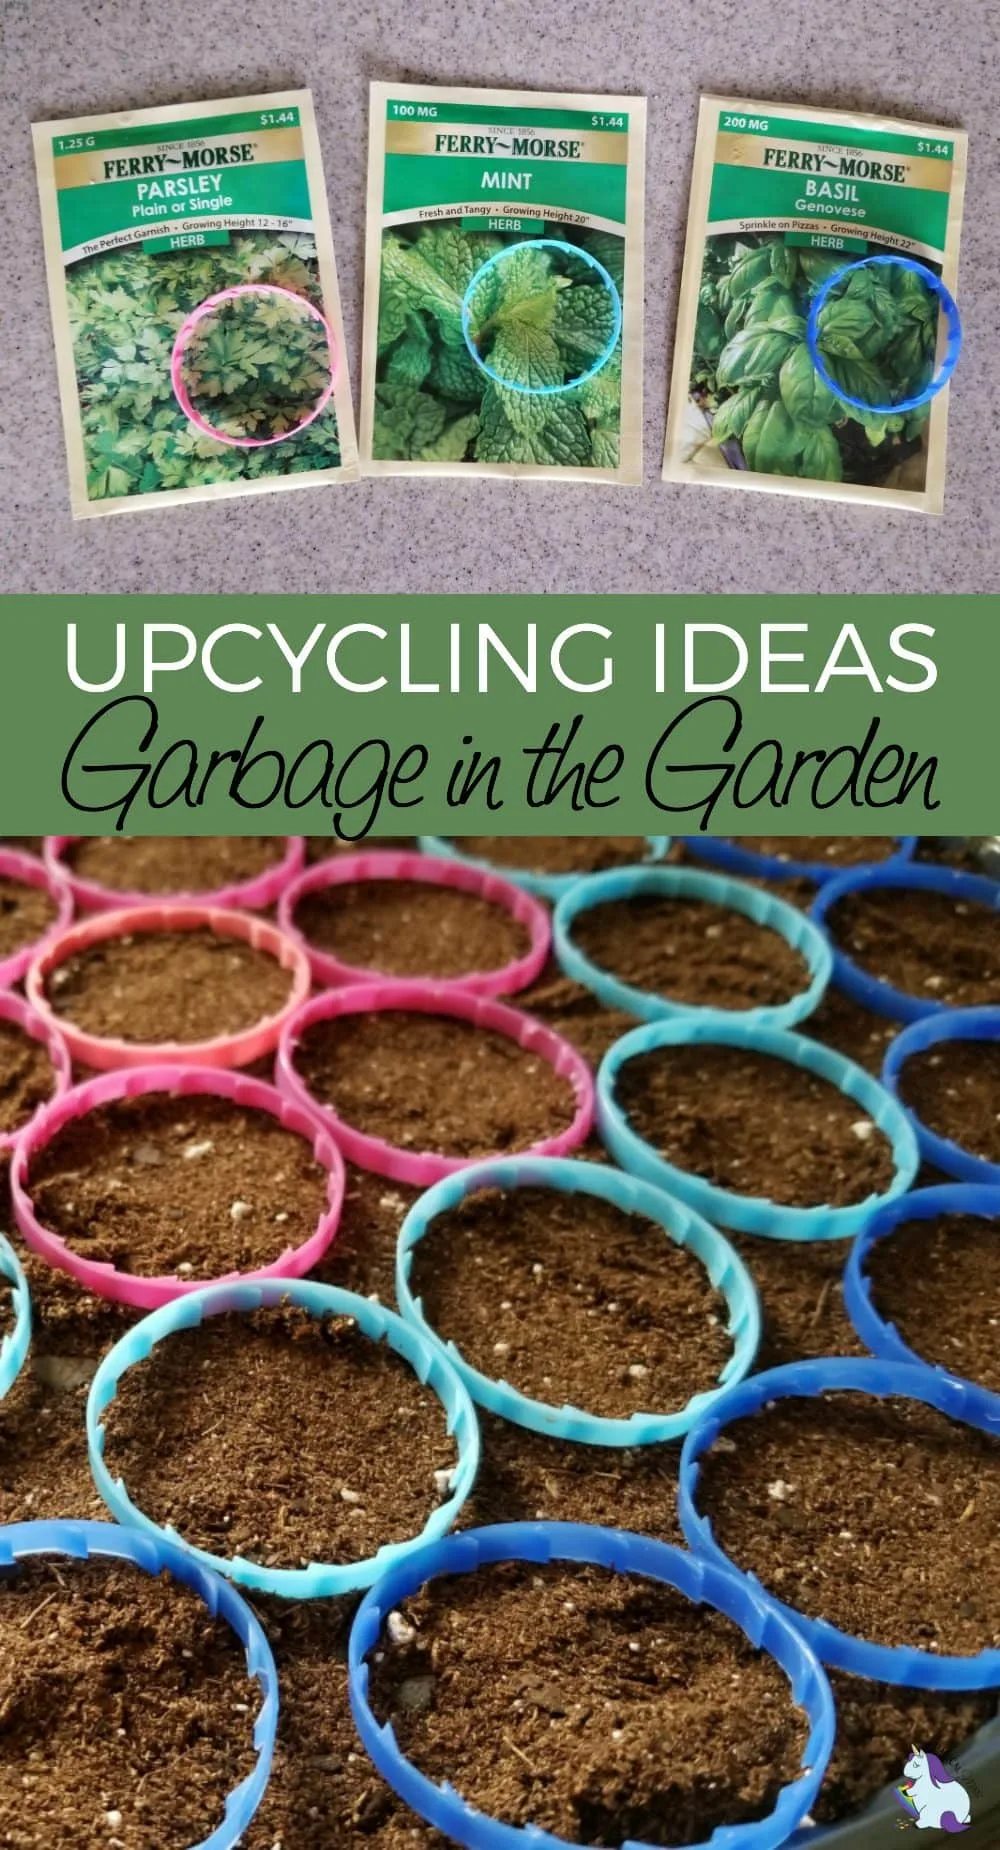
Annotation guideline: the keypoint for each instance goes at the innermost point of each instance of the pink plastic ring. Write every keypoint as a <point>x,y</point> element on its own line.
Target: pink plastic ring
<point>237,1049</point>
<point>30,871</point>
<point>103,1278</point>
<point>14,1008</point>
<point>255,893</point>
<point>406,864</point>
<point>421,1168</point>
<point>208,307</point>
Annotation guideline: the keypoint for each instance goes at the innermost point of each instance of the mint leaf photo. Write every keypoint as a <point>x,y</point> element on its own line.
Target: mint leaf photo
<point>540,319</point>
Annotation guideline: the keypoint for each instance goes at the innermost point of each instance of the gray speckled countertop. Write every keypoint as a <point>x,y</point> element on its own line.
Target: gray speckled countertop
<point>72,57</point>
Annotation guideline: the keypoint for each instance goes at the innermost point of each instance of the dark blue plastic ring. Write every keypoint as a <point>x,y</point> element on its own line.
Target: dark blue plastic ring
<point>574,250</point>
<point>952,351</point>
<point>947,1025</point>
<point>734,858</point>
<point>871,991</point>
<point>960,1400</point>
<point>82,1541</point>
<point>877,1332</point>
<point>756,1614</point>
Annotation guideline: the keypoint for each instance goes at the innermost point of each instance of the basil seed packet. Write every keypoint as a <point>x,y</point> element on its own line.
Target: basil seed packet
<point>782,199</point>
<point>503,290</point>
<point>147,216</point>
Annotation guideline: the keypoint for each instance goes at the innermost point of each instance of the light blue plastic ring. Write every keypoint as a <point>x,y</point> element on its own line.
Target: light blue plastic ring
<point>952,350</point>
<point>766,909</point>
<point>960,1400</point>
<point>722,1263</point>
<point>734,858</point>
<point>319,1580</point>
<point>542,885</point>
<point>947,1025</point>
<point>86,1541</point>
<point>871,991</point>
<point>757,1616</point>
<point>573,250</point>
<point>16,1342</point>
<point>750,1213</point>
<point>877,1332</point>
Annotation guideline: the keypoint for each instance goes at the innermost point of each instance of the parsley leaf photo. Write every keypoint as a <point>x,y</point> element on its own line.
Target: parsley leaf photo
<point>254,371</point>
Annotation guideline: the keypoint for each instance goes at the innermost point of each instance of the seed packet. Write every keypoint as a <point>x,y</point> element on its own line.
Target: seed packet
<point>150,214</point>
<point>503,284</point>
<point>782,199</point>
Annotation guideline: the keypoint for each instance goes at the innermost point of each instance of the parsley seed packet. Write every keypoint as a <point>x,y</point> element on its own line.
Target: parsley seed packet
<point>783,198</point>
<point>503,287</point>
<point>169,395</point>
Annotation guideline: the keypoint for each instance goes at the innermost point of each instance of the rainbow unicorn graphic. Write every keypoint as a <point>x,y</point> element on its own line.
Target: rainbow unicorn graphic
<point>932,1797</point>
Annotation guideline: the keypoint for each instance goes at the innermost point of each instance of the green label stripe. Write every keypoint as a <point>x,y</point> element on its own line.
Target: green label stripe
<point>756,192</point>
<point>210,126</point>
<point>185,240</point>
<point>416,180</point>
<point>278,189</point>
<point>825,240</point>
<point>503,221</point>
<point>773,128</point>
<point>408,111</point>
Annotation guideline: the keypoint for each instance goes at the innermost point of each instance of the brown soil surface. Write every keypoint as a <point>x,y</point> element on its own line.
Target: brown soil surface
<point>172,863</point>
<point>849,1028</point>
<point>754,1124</point>
<point>951,851</point>
<point>320,1770</point>
<point>704,955</point>
<point>596,1706</point>
<point>24,844</point>
<point>528,1477</point>
<point>363,1255</point>
<point>575,1013</point>
<point>321,847</point>
<point>127,1713</point>
<point>879,1516</point>
<point>925,943</point>
<point>158,1184</point>
<point>26,1076</point>
<point>572,1300</point>
<point>938,1281</point>
<point>799,1282</point>
<point>428,1082</point>
<point>834,850</point>
<point>26,912</point>
<point>404,928</point>
<point>281,1437</point>
<point>158,986</point>
<point>954,1088</point>
<point>556,854</point>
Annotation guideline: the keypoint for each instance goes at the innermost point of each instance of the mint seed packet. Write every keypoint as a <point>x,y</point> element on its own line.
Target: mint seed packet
<point>197,323</point>
<point>503,290</point>
<point>859,217</point>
